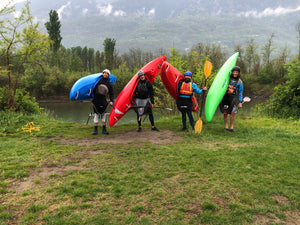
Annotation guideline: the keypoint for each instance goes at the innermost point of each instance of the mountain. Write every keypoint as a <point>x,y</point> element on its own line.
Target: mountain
<point>155,25</point>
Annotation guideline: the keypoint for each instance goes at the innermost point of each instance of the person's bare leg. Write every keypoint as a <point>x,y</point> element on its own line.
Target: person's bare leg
<point>232,119</point>
<point>226,120</point>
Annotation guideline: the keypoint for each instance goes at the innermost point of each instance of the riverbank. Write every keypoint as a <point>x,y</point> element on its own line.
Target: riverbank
<point>59,173</point>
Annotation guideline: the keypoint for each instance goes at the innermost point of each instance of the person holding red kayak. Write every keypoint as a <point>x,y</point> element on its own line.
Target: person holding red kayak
<point>142,105</point>
<point>184,102</point>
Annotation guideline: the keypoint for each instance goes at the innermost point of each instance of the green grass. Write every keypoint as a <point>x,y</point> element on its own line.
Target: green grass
<point>216,177</point>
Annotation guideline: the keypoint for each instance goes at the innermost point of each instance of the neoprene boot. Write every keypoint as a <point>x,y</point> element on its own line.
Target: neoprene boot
<point>104,130</point>
<point>95,131</point>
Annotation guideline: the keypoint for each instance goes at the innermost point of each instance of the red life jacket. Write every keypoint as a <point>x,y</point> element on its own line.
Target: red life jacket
<point>186,89</point>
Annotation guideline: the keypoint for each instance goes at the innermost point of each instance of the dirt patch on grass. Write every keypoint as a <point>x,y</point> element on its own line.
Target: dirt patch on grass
<point>292,218</point>
<point>41,175</point>
<point>78,160</point>
<point>280,199</point>
<point>159,138</point>
<point>265,220</point>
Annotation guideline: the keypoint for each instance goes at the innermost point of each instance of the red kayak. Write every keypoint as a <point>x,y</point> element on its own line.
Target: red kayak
<point>170,77</point>
<point>126,97</point>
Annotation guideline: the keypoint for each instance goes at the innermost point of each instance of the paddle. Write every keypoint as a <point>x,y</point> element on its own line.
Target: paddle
<point>245,99</point>
<point>207,72</point>
<point>136,107</point>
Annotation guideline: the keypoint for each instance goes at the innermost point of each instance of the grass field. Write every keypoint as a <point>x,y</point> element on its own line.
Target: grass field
<point>53,172</point>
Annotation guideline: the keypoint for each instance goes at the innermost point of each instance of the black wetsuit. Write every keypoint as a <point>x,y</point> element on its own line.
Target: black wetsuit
<point>99,101</point>
<point>144,90</point>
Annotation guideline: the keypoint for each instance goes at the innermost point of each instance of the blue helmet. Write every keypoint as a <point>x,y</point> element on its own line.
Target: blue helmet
<point>188,73</point>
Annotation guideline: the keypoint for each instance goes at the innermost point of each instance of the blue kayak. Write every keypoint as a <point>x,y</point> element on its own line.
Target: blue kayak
<point>83,88</point>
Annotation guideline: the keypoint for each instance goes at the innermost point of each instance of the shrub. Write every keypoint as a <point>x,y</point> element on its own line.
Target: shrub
<point>285,102</point>
<point>23,102</point>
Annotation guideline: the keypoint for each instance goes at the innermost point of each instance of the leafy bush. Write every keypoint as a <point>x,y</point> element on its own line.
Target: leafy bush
<point>285,102</point>
<point>23,102</point>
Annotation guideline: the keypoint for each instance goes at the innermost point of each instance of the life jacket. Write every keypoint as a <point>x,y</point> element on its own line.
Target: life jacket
<point>231,89</point>
<point>186,89</point>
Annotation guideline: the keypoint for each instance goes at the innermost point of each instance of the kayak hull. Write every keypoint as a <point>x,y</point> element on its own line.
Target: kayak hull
<point>83,87</point>
<point>219,86</point>
<point>170,77</point>
<point>126,97</point>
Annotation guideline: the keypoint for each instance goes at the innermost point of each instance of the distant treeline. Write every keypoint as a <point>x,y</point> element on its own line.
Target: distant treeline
<point>59,70</point>
<point>41,65</point>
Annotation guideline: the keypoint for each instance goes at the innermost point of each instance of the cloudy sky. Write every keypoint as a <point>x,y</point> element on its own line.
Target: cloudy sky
<point>4,2</point>
<point>108,9</point>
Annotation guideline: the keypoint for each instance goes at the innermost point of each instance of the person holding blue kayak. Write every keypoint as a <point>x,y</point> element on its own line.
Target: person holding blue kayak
<point>233,98</point>
<point>184,103</point>
<point>101,90</point>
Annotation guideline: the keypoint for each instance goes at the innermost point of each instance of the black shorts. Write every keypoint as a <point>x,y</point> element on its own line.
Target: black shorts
<point>100,105</point>
<point>227,104</point>
<point>184,104</point>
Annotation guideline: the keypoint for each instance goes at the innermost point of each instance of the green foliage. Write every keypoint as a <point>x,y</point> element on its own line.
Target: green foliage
<point>124,74</point>
<point>22,43</point>
<point>109,52</point>
<point>23,102</point>
<point>53,28</point>
<point>285,102</point>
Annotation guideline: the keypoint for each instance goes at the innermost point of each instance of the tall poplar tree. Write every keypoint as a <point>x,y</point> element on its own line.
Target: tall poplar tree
<point>109,52</point>
<point>53,28</point>
<point>298,30</point>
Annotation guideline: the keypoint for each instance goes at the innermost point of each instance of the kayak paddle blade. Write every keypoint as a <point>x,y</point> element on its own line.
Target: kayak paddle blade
<point>198,126</point>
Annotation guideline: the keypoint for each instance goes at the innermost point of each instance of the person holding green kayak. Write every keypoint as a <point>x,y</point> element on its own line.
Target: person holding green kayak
<point>101,90</point>
<point>143,91</point>
<point>184,102</point>
<point>233,98</point>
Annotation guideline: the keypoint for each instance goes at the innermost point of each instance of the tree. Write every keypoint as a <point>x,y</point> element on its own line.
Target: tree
<point>98,61</point>
<point>240,60</point>
<point>22,43</point>
<point>109,52</point>
<point>91,60</point>
<point>53,28</point>
<point>298,30</point>
<point>84,58</point>
<point>251,56</point>
<point>267,49</point>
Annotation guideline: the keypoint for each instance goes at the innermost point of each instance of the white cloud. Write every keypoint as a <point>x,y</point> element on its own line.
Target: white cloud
<point>269,12</point>
<point>105,10</point>
<point>143,12</point>
<point>119,13</point>
<point>62,10</point>
<point>85,11</point>
<point>151,12</point>
<point>17,14</point>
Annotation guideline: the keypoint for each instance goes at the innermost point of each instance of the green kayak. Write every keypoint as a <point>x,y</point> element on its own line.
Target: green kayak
<point>219,87</point>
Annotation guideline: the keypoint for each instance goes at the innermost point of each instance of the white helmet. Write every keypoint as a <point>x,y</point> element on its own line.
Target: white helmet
<point>106,71</point>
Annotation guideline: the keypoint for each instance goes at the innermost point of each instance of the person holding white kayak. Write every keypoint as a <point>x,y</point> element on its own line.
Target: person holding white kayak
<point>142,105</point>
<point>101,90</point>
<point>184,102</point>
<point>230,103</point>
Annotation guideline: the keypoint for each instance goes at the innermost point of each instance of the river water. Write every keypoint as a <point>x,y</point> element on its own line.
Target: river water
<point>78,112</point>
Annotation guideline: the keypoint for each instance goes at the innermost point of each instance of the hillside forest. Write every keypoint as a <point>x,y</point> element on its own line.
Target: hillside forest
<point>35,65</point>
